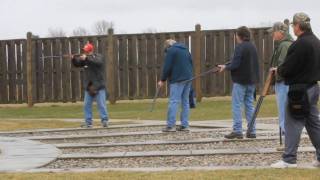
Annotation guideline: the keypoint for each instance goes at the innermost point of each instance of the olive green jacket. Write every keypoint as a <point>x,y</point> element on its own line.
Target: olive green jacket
<point>280,53</point>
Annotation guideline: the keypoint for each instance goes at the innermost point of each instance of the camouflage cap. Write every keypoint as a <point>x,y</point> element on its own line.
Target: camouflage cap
<point>279,26</point>
<point>301,17</point>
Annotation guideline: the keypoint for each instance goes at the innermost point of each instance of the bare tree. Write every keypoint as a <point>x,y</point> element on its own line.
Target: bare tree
<point>101,27</point>
<point>56,32</point>
<point>80,31</point>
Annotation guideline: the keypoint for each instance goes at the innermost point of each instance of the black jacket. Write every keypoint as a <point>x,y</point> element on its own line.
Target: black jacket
<point>302,63</point>
<point>94,70</point>
<point>244,66</point>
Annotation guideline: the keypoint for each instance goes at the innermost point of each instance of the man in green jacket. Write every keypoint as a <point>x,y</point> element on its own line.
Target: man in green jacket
<point>283,40</point>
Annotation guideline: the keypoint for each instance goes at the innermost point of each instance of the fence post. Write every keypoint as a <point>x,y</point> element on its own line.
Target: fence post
<point>110,67</point>
<point>197,61</point>
<point>29,69</point>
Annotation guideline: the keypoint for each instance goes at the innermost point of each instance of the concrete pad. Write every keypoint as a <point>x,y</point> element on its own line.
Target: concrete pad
<point>20,154</point>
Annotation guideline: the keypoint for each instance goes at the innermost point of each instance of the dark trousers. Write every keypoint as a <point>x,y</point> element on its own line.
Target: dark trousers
<point>295,126</point>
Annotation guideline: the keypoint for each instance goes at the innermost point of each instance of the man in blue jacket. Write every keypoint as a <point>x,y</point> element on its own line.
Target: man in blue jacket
<point>244,69</point>
<point>177,68</point>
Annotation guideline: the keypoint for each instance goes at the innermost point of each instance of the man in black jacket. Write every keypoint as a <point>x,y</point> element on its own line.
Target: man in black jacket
<point>244,69</point>
<point>94,83</point>
<point>301,71</point>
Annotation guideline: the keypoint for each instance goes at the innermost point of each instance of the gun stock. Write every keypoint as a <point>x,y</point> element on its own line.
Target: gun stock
<point>267,84</point>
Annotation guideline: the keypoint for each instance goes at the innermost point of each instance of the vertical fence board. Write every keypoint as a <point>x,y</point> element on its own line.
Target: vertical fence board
<point>75,75</point>
<point>160,39</point>
<point>48,70</point>
<point>57,84</point>
<point>123,66</point>
<point>4,72</point>
<point>151,72</point>
<point>19,71</point>
<point>132,62</point>
<point>39,71</point>
<point>66,71</point>
<point>24,69</point>
<point>34,64</point>
<point>12,71</point>
<point>116,64</point>
<point>142,70</point>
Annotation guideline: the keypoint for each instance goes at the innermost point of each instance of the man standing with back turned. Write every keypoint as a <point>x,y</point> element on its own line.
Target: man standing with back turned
<point>300,71</point>
<point>177,68</point>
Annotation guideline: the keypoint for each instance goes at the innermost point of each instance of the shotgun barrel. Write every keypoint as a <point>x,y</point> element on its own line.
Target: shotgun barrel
<point>264,93</point>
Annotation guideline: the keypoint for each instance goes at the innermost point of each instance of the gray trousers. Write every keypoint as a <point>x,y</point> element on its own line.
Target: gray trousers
<point>294,128</point>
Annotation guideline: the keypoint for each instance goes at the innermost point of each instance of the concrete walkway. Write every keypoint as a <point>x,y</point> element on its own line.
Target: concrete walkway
<point>18,154</point>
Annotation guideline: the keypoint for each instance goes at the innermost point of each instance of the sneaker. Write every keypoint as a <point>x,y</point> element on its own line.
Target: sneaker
<point>182,128</point>
<point>85,125</point>
<point>169,129</point>
<point>316,163</point>
<point>234,135</point>
<point>104,124</point>
<point>251,136</point>
<point>281,165</point>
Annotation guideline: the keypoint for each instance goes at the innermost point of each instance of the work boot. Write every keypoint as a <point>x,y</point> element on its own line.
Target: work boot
<point>104,124</point>
<point>234,135</point>
<point>85,125</point>
<point>169,129</point>
<point>251,135</point>
<point>182,128</point>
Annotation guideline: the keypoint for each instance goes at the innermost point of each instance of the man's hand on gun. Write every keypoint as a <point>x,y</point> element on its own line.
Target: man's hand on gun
<point>221,67</point>
<point>274,69</point>
<point>161,83</point>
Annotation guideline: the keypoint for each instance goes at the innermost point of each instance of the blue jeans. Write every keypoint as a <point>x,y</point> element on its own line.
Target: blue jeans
<point>179,94</point>
<point>282,95</point>
<point>101,103</point>
<point>242,95</point>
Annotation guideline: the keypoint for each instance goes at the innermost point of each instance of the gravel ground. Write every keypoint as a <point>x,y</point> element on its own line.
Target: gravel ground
<point>213,145</point>
<point>99,132</point>
<point>87,132</point>
<point>142,138</point>
<point>178,161</point>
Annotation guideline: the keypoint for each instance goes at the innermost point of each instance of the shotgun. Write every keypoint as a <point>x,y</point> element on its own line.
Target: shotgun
<point>61,56</point>
<point>155,99</point>
<point>263,94</point>
<point>215,69</point>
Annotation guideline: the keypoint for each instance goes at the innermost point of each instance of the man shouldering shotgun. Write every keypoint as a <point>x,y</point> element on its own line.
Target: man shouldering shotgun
<point>94,83</point>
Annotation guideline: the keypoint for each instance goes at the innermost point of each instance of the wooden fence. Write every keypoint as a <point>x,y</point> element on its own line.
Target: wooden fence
<point>133,63</point>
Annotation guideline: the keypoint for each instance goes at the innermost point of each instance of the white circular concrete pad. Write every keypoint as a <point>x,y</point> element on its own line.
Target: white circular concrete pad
<point>18,154</point>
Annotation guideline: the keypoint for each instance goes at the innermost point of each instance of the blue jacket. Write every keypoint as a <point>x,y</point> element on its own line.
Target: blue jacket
<point>244,66</point>
<point>178,64</point>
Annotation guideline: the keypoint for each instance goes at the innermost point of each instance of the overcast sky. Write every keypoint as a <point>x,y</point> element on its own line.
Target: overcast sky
<point>134,16</point>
